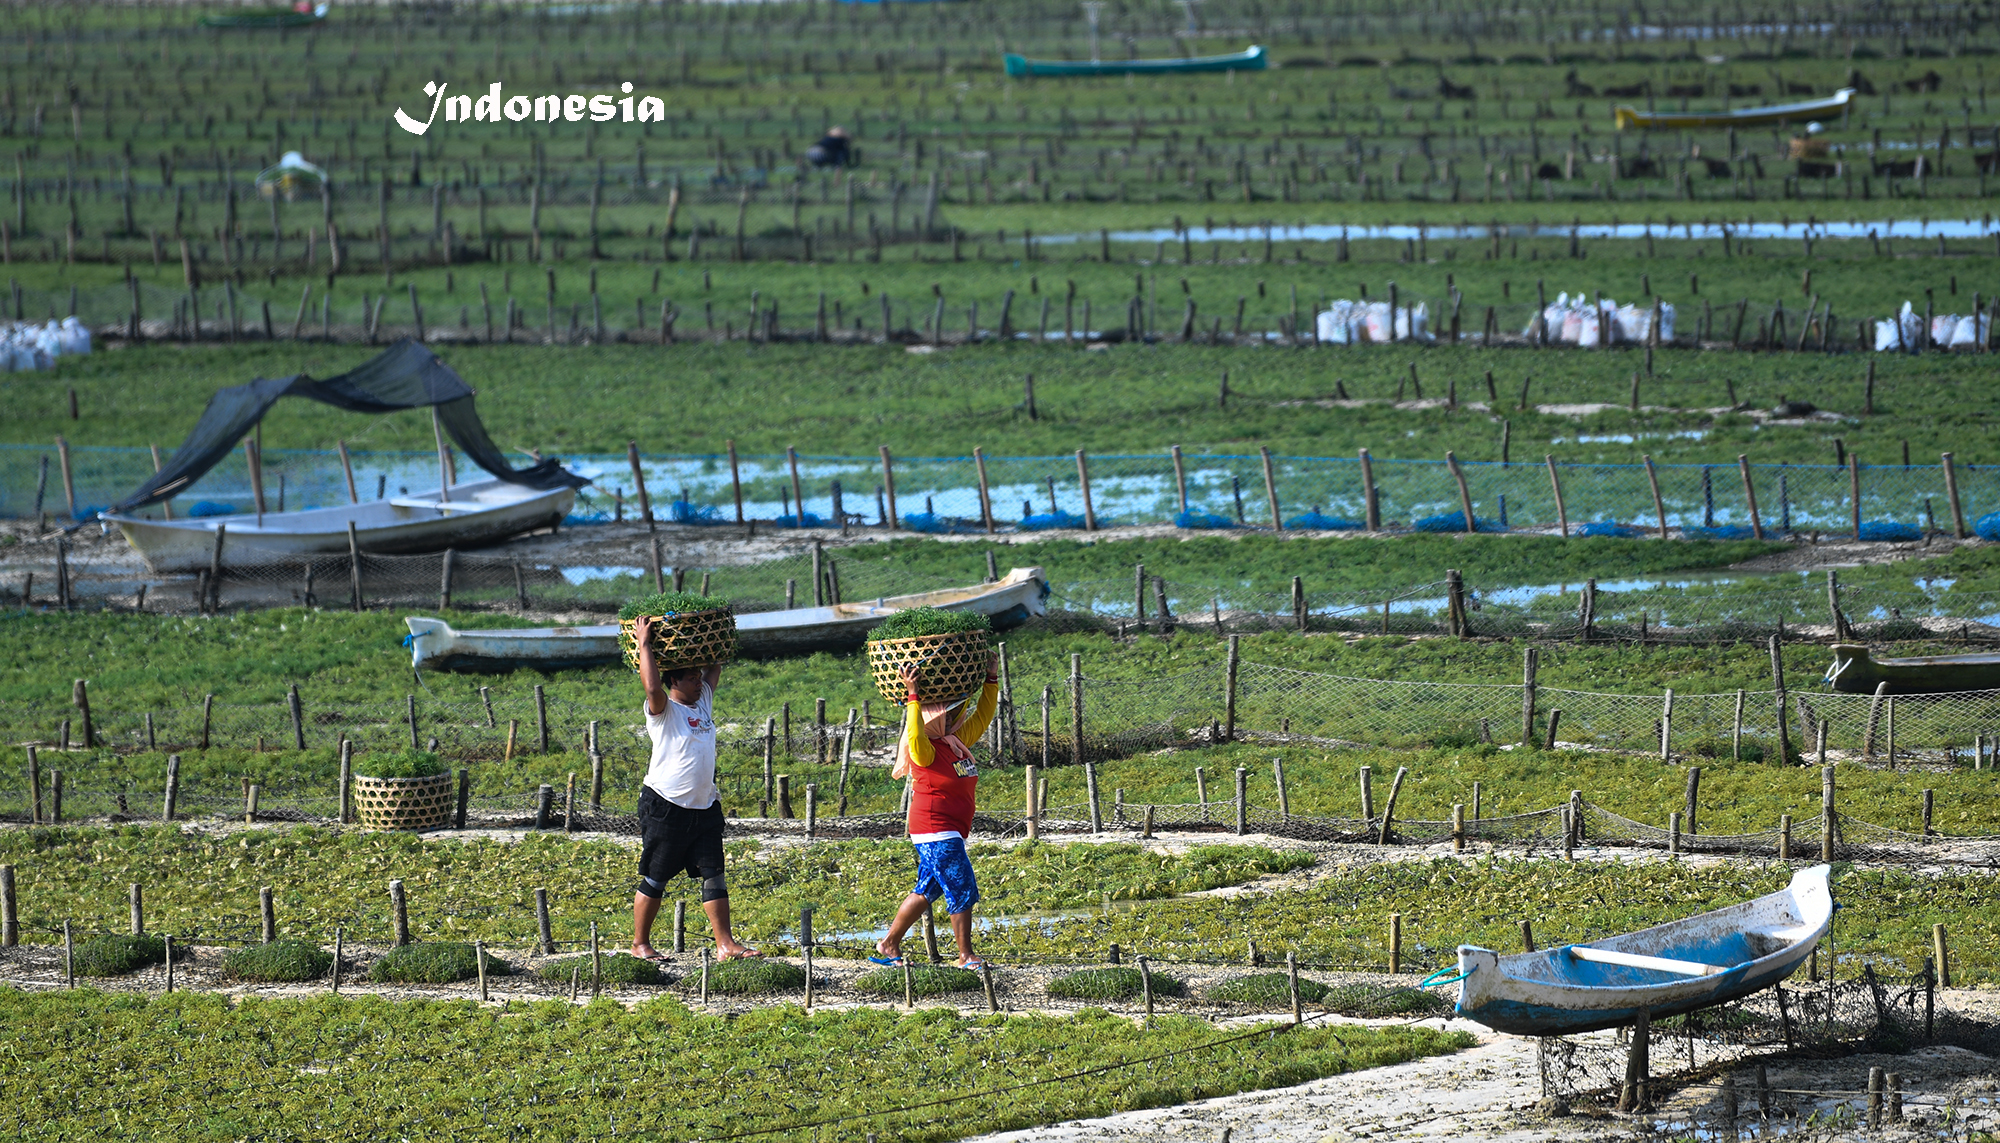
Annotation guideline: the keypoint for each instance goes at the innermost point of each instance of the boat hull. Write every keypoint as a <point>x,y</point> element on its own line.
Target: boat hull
<point>1250,59</point>
<point>1555,992</point>
<point>1856,672</point>
<point>1632,117</point>
<point>435,645</point>
<point>477,514</point>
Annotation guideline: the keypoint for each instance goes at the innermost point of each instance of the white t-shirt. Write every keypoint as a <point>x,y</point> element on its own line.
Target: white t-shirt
<point>683,766</point>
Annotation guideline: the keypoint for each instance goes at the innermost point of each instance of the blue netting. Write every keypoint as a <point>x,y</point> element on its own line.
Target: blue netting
<point>792,521</point>
<point>1608,528</point>
<point>1455,522</point>
<point>940,525</point>
<point>1987,527</point>
<point>1314,521</point>
<point>212,508</point>
<point>1888,531</point>
<point>1193,519</point>
<point>686,513</point>
<point>1049,521</point>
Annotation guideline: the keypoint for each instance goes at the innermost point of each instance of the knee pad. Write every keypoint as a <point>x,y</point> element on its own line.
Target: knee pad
<point>714,889</point>
<point>651,888</point>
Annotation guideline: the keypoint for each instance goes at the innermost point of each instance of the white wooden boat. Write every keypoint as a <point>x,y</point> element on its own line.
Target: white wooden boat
<point>471,515</point>
<point>1632,117</point>
<point>1666,970</point>
<point>436,645</point>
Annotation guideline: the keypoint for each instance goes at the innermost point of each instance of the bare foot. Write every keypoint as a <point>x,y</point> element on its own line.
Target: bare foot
<point>736,950</point>
<point>647,952</point>
<point>888,949</point>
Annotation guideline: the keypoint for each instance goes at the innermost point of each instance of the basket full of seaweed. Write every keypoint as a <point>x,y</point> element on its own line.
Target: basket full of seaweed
<point>947,648</point>
<point>689,630</point>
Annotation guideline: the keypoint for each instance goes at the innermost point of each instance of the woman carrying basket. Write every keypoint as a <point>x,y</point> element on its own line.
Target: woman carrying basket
<point>943,778</point>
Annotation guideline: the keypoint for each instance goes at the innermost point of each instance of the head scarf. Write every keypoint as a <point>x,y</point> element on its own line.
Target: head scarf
<point>938,726</point>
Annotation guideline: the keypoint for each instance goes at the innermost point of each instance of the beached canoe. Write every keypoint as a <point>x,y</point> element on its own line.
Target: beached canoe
<point>436,645</point>
<point>1857,672</point>
<point>1249,59</point>
<point>1669,969</point>
<point>468,516</point>
<point>1741,117</point>
<point>296,17</point>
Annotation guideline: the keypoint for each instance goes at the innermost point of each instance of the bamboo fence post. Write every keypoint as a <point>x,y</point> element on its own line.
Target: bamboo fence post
<point>1736,730</point>
<point>1464,492</point>
<point>1555,485</point>
<point>399,914</point>
<point>347,470</point>
<point>1854,490</point>
<point>354,565</point>
<point>1530,664</point>
<point>1028,773</point>
<point>1229,691</point>
<point>735,480</point>
<point>985,496</point>
<point>1242,801</point>
<point>1389,807</point>
<point>173,788</point>
<point>1750,496</point>
<point>1371,506</point>
<point>1076,707</point>
<point>1083,479</point>
<point>1951,491</point>
<point>1271,490</point>
<point>1180,476</point>
<point>1826,813</point>
<point>1778,685</point>
<point>10,912</point>
<point>1666,722</point>
<point>889,485</point>
<point>1278,776</point>
<point>1659,505</point>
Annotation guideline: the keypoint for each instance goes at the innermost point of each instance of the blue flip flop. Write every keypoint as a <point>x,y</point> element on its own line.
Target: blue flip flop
<point>887,961</point>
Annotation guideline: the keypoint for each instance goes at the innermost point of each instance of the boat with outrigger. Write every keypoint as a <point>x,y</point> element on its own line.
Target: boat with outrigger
<point>406,376</point>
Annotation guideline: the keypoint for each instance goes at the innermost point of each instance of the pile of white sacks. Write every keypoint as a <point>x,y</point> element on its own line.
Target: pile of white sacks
<point>25,345</point>
<point>1576,321</point>
<point>1366,323</point>
<point>1948,331</point>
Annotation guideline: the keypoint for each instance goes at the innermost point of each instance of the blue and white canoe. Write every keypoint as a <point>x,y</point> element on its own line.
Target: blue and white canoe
<point>1017,597</point>
<point>1666,970</point>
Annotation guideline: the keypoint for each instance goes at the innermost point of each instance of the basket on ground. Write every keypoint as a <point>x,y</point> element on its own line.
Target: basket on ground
<point>404,803</point>
<point>684,639</point>
<point>950,667</point>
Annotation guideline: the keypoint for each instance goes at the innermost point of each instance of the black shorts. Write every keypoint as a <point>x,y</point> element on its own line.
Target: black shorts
<point>677,840</point>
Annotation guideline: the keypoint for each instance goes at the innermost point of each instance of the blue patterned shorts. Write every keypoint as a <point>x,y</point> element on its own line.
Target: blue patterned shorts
<point>944,870</point>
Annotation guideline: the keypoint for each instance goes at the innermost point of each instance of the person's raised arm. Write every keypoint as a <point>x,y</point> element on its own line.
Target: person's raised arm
<point>989,701</point>
<point>711,676</point>
<point>649,671</point>
<point>916,744</point>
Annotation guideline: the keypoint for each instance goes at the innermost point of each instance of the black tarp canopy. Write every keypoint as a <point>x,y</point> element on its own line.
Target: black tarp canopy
<point>404,376</point>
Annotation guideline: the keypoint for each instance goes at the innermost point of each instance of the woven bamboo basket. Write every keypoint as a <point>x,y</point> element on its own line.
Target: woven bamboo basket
<point>950,667</point>
<point>687,639</point>
<point>404,803</point>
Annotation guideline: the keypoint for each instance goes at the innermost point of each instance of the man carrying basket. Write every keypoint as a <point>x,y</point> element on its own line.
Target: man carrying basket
<point>680,809</point>
<point>944,778</point>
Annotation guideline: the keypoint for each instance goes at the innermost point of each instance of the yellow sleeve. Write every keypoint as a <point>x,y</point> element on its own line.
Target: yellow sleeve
<point>982,715</point>
<point>915,743</point>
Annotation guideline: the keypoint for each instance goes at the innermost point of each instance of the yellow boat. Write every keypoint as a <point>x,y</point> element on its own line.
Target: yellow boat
<point>1632,117</point>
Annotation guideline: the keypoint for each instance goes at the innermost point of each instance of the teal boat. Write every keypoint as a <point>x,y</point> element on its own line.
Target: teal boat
<point>1249,59</point>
